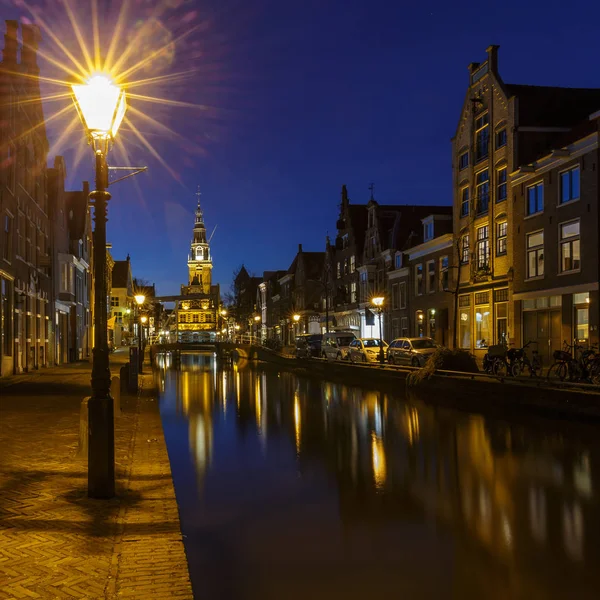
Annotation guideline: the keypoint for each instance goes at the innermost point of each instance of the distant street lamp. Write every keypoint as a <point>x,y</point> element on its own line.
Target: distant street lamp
<point>296,318</point>
<point>256,320</point>
<point>101,105</point>
<point>139,300</point>
<point>378,302</point>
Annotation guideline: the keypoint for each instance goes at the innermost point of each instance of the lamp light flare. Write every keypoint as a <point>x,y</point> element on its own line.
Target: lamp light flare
<point>102,105</point>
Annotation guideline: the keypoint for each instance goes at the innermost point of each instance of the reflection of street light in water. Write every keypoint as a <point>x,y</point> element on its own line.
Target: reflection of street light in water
<point>379,467</point>
<point>297,420</point>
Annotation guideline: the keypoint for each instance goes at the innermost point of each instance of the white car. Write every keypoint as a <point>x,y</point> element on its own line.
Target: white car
<point>366,350</point>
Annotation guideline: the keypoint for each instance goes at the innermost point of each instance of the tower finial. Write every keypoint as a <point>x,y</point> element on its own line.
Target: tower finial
<point>198,194</point>
<point>372,188</point>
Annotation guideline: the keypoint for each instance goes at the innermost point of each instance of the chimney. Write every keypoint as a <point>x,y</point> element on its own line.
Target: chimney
<point>31,38</point>
<point>492,52</point>
<point>299,248</point>
<point>9,54</point>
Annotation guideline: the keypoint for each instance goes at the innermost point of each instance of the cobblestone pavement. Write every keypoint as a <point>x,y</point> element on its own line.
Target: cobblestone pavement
<point>55,542</point>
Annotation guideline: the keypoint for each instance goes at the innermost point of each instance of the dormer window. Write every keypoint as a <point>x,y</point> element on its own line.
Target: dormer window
<point>398,263</point>
<point>428,230</point>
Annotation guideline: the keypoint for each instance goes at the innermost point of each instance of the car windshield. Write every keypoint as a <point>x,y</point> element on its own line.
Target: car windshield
<point>314,338</point>
<point>344,341</point>
<point>371,343</point>
<point>423,344</point>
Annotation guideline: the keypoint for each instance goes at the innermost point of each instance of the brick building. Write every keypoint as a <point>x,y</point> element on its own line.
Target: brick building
<point>25,283</point>
<point>556,238</point>
<point>501,127</point>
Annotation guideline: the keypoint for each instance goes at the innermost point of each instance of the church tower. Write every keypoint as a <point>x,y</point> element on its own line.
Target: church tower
<point>199,260</point>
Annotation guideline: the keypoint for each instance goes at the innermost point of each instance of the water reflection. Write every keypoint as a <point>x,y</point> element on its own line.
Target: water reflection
<point>372,492</point>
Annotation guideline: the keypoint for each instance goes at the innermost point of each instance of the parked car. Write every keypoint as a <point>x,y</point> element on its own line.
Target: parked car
<point>308,344</point>
<point>366,350</point>
<point>336,345</point>
<point>411,351</point>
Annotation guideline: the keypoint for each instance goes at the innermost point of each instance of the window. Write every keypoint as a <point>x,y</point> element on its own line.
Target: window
<point>501,232</point>
<point>404,327</point>
<point>428,231</point>
<point>444,271</point>
<point>114,300</point>
<point>482,191</point>
<point>482,326</point>
<point>464,255</point>
<point>339,270</point>
<point>431,276</point>
<point>501,193</point>
<point>398,259</point>
<point>352,263</point>
<point>535,254</point>
<point>535,199</point>
<point>5,317</point>
<point>6,246</point>
<point>502,323</point>
<point>464,324</point>
<point>353,292</point>
<point>395,296</point>
<point>463,161</point>
<point>403,294</point>
<point>482,137</point>
<point>501,138</point>
<point>570,258</point>
<point>569,185</point>
<point>464,201</point>
<point>419,280</point>
<point>483,247</point>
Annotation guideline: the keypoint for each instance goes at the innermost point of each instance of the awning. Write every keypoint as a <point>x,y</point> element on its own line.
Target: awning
<point>111,322</point>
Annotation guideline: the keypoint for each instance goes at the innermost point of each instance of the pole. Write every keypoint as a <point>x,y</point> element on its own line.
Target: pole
<point>101,433</point>
<point>140,345</point>
<point>381,357</point>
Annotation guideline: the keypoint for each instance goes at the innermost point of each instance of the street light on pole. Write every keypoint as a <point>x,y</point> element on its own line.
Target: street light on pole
<point>296,318</point>
<point>256,320</point>
<point>101,105</point>
<point>139,300</point>
<point>378,303</point>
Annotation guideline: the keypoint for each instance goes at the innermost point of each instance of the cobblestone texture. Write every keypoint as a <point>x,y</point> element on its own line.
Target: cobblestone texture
<point>55,542</point>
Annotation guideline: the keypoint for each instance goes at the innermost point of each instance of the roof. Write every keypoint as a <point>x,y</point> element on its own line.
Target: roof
<point>120,274</point>
<point>358,220</point>
<point>77,210</point>
<point>313,264</point>
<point>407,230</point>
<point>547,106</point>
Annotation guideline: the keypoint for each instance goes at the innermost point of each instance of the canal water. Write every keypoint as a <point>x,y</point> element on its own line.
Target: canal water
<point>294,488</point>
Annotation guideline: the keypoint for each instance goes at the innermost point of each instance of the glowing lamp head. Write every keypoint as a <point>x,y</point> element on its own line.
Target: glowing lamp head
<point>257,318</point>
<point>237,327</point>
<point>140,299</point>
<point>101,105</point>
<point>144,319</point>
<point>377,301</point>
<point>223,313</point>
<point>296,318</point>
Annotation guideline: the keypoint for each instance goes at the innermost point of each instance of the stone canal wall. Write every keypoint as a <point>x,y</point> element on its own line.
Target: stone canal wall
<point>467,391</point>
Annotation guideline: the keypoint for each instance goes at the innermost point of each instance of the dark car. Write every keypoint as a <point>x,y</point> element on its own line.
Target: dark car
<point>411,351</point>
<point>308,345</point>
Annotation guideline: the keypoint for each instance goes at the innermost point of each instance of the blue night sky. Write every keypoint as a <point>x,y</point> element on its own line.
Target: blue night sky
<point>300,98</point>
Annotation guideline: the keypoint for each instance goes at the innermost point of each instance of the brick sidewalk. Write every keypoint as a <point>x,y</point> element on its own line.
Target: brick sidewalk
<point>55,542</point>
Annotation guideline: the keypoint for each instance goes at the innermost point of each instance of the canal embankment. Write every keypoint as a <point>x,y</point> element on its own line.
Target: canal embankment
<point>467,391</point>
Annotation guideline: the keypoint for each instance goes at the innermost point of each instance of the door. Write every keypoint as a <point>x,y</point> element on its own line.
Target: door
<point>543,327</point>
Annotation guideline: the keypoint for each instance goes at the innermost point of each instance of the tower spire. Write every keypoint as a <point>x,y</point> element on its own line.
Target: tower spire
<point>199,216</point>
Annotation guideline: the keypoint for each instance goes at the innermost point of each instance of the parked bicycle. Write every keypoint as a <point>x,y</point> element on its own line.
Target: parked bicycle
<point>585,368</point>
<point>494,360</point>
<point>519,363</point>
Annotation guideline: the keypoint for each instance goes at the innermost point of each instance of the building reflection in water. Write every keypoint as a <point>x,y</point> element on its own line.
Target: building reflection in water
<point>523,496</point>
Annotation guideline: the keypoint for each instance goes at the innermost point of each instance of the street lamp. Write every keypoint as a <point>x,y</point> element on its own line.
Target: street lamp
<point>101,105</point>
<point>139,300</point>
<point>378,302</point>
<point>296,318</point>
<point>256,320</point>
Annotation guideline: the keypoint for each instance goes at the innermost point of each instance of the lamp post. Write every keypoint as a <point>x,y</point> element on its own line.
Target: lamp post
<point>101,105</point>
<point>296,318</point>
<point>139,300</point>
<point>256,320</point>
<point>378,303</point>
<point>223,314</point>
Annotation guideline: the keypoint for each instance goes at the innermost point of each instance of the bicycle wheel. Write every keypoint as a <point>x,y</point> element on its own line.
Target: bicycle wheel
<point>500,368</point>
<point>558,371</point>
<point>595,372</point>
<point>516,368</point>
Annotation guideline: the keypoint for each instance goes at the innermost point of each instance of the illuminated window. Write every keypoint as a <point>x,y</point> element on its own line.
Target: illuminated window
<point>570,258</point>
<point>535,254</point>
<point>501,233</point>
